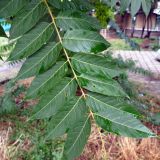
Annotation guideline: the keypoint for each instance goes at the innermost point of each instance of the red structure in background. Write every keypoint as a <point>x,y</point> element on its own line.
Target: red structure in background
<point>140,25</point>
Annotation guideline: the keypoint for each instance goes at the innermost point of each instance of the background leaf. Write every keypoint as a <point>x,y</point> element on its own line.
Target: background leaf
<point>146,5</point>
<point>135,6</point>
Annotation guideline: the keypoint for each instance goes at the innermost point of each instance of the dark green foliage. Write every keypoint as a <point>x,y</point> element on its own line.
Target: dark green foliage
<point>103,12</point>
<point>156,119</point>
<point>7,104</point>
<point>72,85</point>
<point>76,20</point>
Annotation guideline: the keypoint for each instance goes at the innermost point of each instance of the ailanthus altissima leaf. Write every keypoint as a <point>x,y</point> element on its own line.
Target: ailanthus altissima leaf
<point>32,41</point>
<point>76,20</point>
<point>90,63</point>
<point>44,82</point>
<point>116,120</point>
<point>9,8</point>
<point>101,85</point>
<point>116,102</point>
<point>40,61</point>
<point>53,100</point>
<point>57,40</point>
<point>70,5</point>
<point>65,4</point>
<point>84,41</point>
<point>67,116</point>
<point>131,128</point>
<point>27,18</point>
<point>77,138</point>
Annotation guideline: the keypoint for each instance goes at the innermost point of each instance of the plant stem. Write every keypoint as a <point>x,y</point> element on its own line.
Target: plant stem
<point>65,52</point>
<point>68,59</point>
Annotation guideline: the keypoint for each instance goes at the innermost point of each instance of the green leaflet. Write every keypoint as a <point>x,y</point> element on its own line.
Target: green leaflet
<point>27,18</point>
<point>32,41</point>
<point>40,61</point>
<point>52,101</point>
<point>76,20</point>
<point>116,120</point>
<point>65,4</point>
<point>9,8</point>
<point>77,138</point>
<point>125,4</point>
<point>146,5</point>
<point>8,105</point>
<point>113,3</point>
<point>135,6</point>
<point>122,127</point>
<point>2,32</point>
<point>90,63</point>
<point>70,5</point>
<point>101,85</point>
<point>44,82</point>
<point>116,102</point>
<point>84,41</point>
<point>67,116</point>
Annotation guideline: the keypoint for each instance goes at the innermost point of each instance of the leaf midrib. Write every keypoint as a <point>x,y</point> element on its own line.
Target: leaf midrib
<point>91,40</point>
<point>6,6</point>
<point>49,78</point>
<point>79,134</point>
<point>40,59</point>
<point>112,120</point>
<point>17,25</point>
<point>117,110</point>
<point>108,105</point>
<point>99,82</point>
<point>74,106</point>
<point>53,98</point>
<point>91,64</point>
<point>32,41</point>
